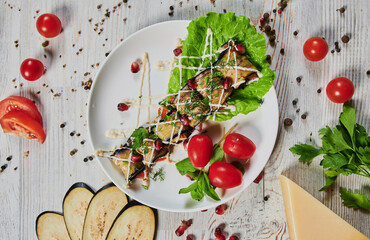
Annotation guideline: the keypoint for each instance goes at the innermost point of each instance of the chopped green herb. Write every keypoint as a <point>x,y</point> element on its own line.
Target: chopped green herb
<point>145,186</point>
<point>158,175</point>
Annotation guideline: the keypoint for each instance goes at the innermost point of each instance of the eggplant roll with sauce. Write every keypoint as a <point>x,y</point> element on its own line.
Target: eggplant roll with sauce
<point>203,95</point>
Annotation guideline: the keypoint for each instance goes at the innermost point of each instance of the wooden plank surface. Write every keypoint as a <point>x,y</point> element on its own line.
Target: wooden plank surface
<point>41,179</point>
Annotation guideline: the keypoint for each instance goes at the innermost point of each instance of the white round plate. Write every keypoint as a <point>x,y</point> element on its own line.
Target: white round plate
<point>115,82</point>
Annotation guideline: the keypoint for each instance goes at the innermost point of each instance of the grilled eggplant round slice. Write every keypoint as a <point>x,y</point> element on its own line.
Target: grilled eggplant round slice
<point>75,205</point>
<point>134,222</point>
<point>50,225</point>
<point>101,212</point>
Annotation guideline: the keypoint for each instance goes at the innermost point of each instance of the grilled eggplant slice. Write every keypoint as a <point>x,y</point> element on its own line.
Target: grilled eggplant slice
<point>75,205</point>
<point>51,226</point>
<point>101,212</point>
<point>134,222</point>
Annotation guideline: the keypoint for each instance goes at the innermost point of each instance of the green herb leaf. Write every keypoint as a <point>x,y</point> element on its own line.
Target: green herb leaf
<point>218,155</point>
<point>354,200</point>
<point>145,186</point>
<point>348,119</point>
<point>334,161</point>
<point>200,188</point>
<point>190,188</point>
<point>306,152</point>
<point>328,181</point>
<point>333,141</point>
<point>185,167</point>
<point>138,137</point>
<point>362,139</point>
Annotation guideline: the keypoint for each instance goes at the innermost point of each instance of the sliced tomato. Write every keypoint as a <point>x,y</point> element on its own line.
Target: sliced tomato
<point>162,111</point>
<point>22,124</point>
<point>141,175</point>
<point>16,103</point>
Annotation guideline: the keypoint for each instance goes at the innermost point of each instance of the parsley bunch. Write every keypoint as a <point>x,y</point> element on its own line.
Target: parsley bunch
<point>345,150</point>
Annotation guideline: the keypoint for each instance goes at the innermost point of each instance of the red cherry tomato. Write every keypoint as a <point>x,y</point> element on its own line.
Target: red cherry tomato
<point>32,69</point>
<point>315,49</point>
<point>239,146</point>
<point>21,124</point>
<point>18,103</point>
<point>224,175</point>
<point>200,150</point>
<point>340,90</point>
<point>48,25</point>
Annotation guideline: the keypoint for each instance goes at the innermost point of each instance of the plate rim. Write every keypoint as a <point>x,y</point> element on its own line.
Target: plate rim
<point>223,200</point>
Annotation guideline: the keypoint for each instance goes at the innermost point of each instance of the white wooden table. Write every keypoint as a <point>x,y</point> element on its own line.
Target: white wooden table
<point>38,182</point>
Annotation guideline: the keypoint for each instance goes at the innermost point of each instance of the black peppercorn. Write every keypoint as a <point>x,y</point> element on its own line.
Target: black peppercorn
<point>345,39</point>
<point>299,79</point>
<point>288,122</point>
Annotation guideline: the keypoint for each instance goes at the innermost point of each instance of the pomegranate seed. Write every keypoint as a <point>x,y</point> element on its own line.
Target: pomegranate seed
<point>185,120</point>
<point>192,84</point>
<point>158,144</point>
<point>262,20</point>
<point>240,48</point>
<point>192,179</point>
<point>226,84</point>
<point>185,144</point>
<point>177,51</point>
<point>233,237</point>
<point>205,210</point>
<point>218,232</point>
<point>280,11</point>
<point>189,237</point>
<point>220,210</point>
<point>181,229</point>
<point>122,107</point>
<point>135,67</point>
<point>136,158</point>
<point>258,178</point>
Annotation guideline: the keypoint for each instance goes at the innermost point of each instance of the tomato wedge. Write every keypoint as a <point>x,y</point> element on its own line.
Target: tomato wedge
<point>16,103</point>
<point>22,124</point>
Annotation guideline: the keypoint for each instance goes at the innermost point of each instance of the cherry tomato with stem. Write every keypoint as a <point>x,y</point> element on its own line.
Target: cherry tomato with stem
<point>340,90</point>
<point>224,175</point>
<point>32,69</point>
<point>48,25</point>
<point>18,103</point>
<point>239,146</point>
<point>200,150</point>
<point>21,124</point>
<point>315,49</point>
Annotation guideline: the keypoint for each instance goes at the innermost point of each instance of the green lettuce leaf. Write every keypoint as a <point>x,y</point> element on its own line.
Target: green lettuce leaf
<point>225,27</point>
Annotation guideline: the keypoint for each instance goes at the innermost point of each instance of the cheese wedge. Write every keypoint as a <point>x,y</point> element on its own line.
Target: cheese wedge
<point>309,219</point>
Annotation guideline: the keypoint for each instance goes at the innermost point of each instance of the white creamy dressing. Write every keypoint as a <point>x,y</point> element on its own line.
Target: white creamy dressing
<point>165,65</point>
